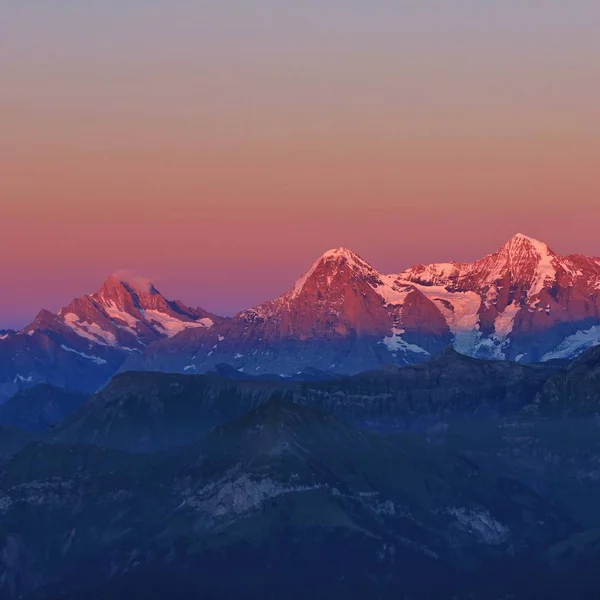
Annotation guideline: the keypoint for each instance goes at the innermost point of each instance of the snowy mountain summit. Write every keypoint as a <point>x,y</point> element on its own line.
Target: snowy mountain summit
<point>87,341</point>
<point>524,302</point>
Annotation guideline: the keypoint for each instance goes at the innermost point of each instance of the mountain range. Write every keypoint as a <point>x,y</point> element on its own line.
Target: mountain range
<point>151,411</point>
<point>294,488</point>
<point>524,303</point>
<point>270,496</point>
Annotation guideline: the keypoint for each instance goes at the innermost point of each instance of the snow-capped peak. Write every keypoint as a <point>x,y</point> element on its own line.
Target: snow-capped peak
<point>522,237</point>
<point>521,241</point>
<point>331,260</point>
<point>126,313</point>
<point>341,253</point>
<point>528,260</point>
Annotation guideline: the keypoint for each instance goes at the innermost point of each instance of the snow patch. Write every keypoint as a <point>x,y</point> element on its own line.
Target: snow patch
<point>392,291</point>
<point>545,270</point>
<point>172,325</point>
<point>575,344</point>
<point>461,312</point>
<point>96,359</point>
<point>396,343</point>
<point>505,320</point>
<point>434,274</point>
<point>89,331</point>
<point>115,313</point>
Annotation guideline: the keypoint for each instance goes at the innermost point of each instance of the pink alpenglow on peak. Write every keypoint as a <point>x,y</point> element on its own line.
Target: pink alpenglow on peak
<point>87,341</point>
<point>137,283</point>
<point>331,261</point>
<point>523,302</point>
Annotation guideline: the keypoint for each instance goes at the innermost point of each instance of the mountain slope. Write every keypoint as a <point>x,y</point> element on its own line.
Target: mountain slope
<point>40,407</point>
<point>524,302</point>
<point>283,492</point>
<point>150,411</point>
<point>448,387</point>
<point>578,391</point>
<point>12,440</point>
<point>145,411</point>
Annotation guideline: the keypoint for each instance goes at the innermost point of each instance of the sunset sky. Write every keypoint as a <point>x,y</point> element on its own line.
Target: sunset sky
<point>219,147</point>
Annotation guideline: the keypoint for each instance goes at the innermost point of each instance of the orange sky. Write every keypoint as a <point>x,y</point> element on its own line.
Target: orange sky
<point>221,151</point>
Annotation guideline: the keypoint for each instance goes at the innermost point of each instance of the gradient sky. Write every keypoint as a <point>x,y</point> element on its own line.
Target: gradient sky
<point>220,147</point>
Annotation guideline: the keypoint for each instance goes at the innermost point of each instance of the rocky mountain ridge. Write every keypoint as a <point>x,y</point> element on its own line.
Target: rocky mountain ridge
<point>87,341</point>
<point>275,493</point>
<point>524,303</point>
